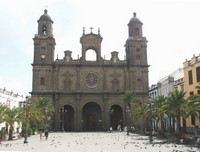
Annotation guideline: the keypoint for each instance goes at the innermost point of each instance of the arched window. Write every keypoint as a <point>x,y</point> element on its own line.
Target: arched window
<point>115,85</point>
<point>139,82</point>
<point>44,29</point>
<point>138,56</point>
<point>137,31</point>
<point>67,85</point>
<point>42,81</point>
<point>138,60</point>
<point>91,55</point>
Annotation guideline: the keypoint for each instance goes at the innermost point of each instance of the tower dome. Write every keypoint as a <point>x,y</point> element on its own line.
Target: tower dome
<point>45,25</point>
<point>135,26</point>
<point>45,17</point>
<point>134,19</point>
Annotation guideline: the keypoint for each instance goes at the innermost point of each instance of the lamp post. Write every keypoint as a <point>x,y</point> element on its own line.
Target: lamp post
<point>46,121</point>
<point>25,105</point>
<point>110,111</point>
<point>63,110</point>
<point>127,111</point>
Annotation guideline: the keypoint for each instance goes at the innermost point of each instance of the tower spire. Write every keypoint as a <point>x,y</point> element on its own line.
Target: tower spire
<point>98,31</point>
<point>83,30</point>
<point>45,11</point>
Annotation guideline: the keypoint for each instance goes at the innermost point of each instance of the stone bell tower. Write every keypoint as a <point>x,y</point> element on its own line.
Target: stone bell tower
<point>136,44</point>
<point>136,56</point>
<point>44,46</point>
<point>44,42</point>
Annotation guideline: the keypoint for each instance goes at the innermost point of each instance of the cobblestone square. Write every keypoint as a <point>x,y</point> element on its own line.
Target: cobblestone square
<point>92,142</point>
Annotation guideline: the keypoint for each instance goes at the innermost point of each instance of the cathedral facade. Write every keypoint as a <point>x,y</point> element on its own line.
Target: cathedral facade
<point>87,94</point>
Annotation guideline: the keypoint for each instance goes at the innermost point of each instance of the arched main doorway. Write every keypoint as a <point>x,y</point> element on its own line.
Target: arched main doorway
<point>66,118</point>
<point>116,117</point>
<point>91,117</point>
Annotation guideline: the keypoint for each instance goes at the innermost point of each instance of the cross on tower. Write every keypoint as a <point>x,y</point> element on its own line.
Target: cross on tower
<point>91,28</point>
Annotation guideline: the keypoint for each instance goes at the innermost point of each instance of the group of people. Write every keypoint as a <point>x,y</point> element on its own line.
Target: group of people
<point>44,134</point>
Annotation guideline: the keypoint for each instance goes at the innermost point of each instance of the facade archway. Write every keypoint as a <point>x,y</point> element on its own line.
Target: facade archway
<point>116,117</point>
<point>66,118</point>
<point>91,117</point>
<point>91,55</point>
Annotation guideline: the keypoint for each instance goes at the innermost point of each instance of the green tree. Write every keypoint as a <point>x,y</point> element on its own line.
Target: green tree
<point>193,106</point>
<point>2,110</point>
<point>45,105</point>
<point>175,105</point>
<point>41,108</point>
<point>35,116</point>
<point>12,115</point>
<point>129,97</point>
<point>159,109</point>
<point>141,112</point>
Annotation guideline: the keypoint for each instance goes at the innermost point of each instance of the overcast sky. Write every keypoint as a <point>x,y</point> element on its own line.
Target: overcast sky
<point>172,28</point>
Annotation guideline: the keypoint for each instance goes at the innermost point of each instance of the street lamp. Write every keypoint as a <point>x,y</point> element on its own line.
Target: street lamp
<point>127,111</point>
<point>63,110</point>
<point>46,121</point>
<point>110,111</point>
<point>26,104</point>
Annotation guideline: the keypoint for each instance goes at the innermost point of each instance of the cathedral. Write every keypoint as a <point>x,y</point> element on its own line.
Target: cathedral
<point>87,94</point>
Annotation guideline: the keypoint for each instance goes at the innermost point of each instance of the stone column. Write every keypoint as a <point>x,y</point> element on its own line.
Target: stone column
<point>57,113</point>
<point>78,114</point>
<point>105,123</point>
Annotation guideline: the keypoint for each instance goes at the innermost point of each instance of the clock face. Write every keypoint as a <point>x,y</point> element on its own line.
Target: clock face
<point>43,56</point>
<point>91,79</point>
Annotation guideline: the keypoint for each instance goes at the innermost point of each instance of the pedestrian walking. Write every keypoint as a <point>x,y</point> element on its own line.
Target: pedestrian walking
<point>40,135</point>
<point>46,133</point>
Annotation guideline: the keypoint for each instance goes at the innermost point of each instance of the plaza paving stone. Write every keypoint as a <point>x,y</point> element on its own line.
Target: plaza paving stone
<point>92,142</point>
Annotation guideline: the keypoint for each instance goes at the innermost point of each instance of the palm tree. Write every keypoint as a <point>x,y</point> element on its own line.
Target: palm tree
<point>40,109</point>
<point>35,116</point>
<point>196,104</point>
<point>129,97</point>
<point>45,105</point>
<point>193,106</point>
<point>175,103</point>
<point>2,109</point>
<point>159,110</point>
<point>12,115</point>
<point>141,112</point>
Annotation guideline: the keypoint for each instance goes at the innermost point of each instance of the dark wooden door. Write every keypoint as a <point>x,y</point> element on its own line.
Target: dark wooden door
<point>91,122</point>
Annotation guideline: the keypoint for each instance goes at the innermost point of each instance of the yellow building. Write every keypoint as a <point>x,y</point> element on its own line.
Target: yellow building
<point>191,80</point>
